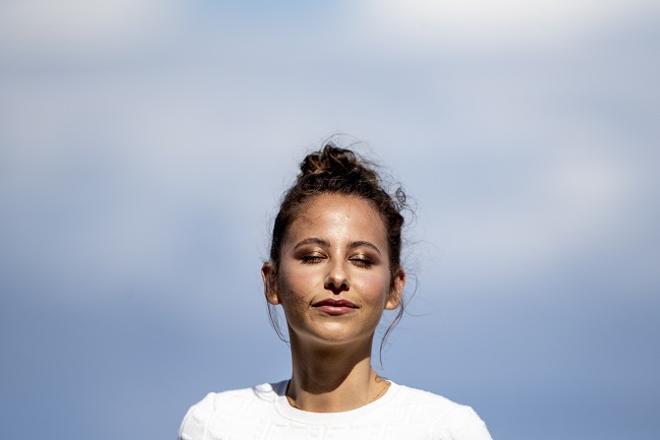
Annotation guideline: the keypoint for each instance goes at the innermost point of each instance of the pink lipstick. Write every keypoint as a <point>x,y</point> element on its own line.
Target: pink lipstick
<point>335,307</point>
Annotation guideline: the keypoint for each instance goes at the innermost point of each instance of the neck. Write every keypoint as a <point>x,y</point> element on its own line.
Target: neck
<point>333,378</point>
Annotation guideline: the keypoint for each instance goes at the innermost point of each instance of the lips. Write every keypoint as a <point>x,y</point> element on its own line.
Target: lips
<point>335,303</point>
<point>335,307</point>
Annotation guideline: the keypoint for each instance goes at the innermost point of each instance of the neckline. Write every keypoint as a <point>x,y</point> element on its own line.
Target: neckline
<point>285,409</point>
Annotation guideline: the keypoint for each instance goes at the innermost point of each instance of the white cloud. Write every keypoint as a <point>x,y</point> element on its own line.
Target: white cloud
<point>424,23</point>
<point>574,202</point>
<point>191,132</point>
<point>67,25</point>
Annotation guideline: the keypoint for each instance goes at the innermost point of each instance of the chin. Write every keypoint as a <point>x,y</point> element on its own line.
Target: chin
<point>339,336</point>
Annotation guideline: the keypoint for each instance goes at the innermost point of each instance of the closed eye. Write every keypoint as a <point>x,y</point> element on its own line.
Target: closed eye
<point>362,262</point>
<point>311,259</point>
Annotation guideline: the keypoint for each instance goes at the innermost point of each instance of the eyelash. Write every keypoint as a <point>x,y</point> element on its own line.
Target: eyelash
<point>359,262</point>
<point>311,259</point>
<point>362,262</point>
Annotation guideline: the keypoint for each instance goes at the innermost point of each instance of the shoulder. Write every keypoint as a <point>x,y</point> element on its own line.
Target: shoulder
<point>224,406</point>
<point>426,401</point>
<point>448,418</point>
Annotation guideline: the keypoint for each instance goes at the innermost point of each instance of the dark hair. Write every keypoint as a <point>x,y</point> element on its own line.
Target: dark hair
<point>341,171</point>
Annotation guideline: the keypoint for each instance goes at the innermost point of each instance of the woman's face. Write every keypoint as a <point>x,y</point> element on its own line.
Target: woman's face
<point>334,277</point>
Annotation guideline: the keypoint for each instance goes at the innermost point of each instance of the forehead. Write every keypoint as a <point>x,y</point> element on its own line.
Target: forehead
<point>337,216</point>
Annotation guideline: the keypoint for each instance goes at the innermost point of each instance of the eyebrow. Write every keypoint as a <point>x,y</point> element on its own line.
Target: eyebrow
<point>325,243</point>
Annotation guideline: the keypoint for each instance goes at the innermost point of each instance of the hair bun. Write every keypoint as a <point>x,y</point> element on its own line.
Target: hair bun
<point>335,161</point>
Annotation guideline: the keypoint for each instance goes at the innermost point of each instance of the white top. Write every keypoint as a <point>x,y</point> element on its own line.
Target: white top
<point>263,412</point>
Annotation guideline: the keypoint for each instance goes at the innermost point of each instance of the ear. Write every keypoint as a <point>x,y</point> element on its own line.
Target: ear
<point>396,290</point>
<point>269,277</point>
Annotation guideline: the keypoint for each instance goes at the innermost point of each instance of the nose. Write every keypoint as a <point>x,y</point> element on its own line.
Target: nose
<point>336,280</point>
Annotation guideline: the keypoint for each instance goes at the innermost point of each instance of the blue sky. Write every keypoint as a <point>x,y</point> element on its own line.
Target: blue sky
<point>144,144</point>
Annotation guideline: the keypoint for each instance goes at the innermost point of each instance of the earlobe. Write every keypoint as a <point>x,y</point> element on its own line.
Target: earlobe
<point>269,278</point>
<point>396,291</point>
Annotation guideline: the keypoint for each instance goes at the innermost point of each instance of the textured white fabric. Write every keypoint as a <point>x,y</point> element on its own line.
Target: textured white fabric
<point>263,412</point>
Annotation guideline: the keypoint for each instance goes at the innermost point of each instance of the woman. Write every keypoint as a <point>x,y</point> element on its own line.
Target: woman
<point>334,267</point>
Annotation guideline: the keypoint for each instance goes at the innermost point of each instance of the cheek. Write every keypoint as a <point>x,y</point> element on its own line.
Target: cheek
<point>374,286</point>
<point>299,284</point>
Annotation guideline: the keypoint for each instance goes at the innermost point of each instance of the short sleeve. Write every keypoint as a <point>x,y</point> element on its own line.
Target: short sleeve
<point>194,423</point>
<point>467,425</point>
